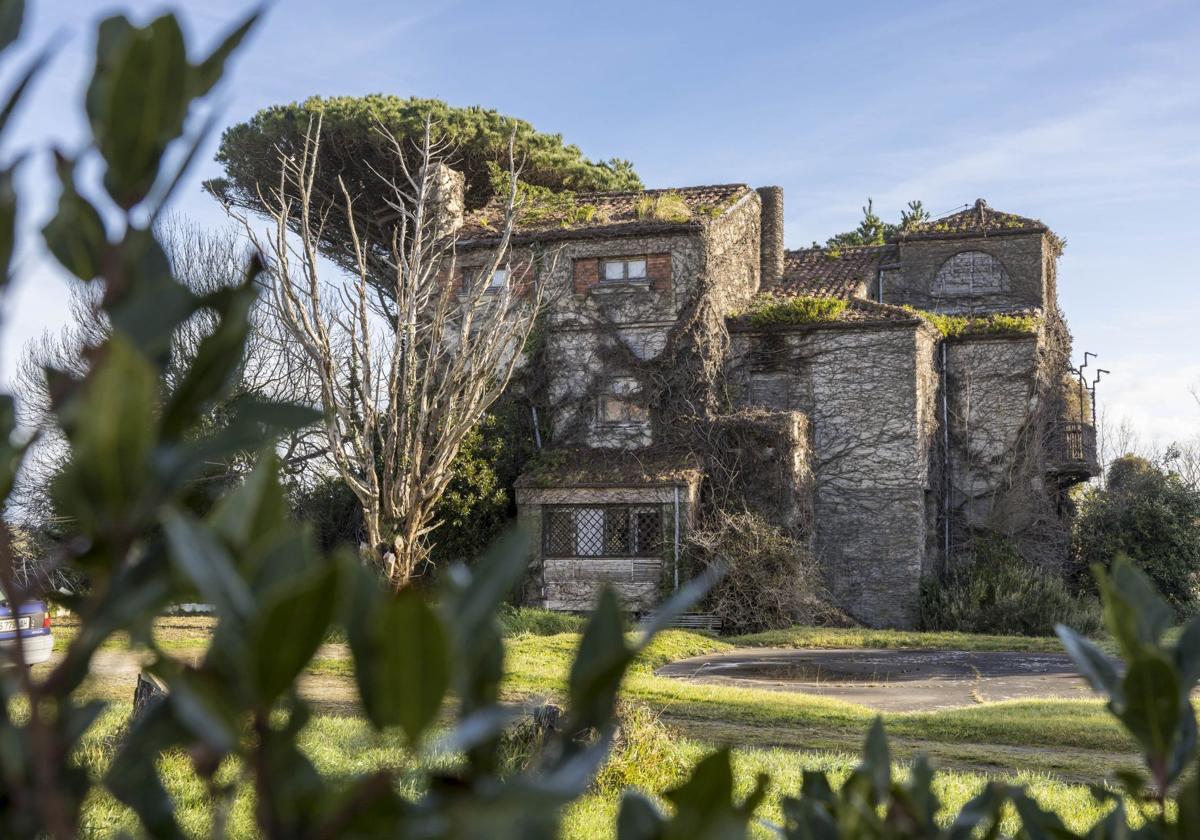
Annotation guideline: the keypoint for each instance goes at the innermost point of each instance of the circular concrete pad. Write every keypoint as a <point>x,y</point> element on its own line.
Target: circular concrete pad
<point>891,680</point>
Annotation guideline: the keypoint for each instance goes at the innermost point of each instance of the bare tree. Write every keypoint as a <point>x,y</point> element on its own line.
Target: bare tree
<point>204,261</point>
<point>410,350</point>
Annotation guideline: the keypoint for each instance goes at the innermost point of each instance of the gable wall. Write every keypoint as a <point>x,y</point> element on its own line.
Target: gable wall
<point>1021,255</point>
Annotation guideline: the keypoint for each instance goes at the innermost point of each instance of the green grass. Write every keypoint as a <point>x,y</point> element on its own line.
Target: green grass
<point>1053,745</point>
<point>654,759</point>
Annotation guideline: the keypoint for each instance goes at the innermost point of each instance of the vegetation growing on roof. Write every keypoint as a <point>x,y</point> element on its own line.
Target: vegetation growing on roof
<point>663,207</point>
<point>767,310</point>
<point>997,323</point>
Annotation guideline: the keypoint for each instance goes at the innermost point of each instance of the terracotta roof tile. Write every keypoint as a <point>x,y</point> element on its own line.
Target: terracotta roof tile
<point>608,214</point>
<point>825,272</point>
<point>976,220</point>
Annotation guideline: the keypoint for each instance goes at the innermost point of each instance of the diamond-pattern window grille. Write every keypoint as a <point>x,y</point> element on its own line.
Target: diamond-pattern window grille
<point>603,531</point>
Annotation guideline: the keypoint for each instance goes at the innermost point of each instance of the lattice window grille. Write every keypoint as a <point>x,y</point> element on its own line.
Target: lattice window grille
<point>603,531</point>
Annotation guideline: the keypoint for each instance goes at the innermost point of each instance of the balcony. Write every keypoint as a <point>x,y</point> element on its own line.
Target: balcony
<point>1071,452</point>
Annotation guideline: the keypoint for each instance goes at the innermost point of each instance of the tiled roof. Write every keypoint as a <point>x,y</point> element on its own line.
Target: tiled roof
<point>825,272</point>
<point>977,220</point>
<point>606,214</point>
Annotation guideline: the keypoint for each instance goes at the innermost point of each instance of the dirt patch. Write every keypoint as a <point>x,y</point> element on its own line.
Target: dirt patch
<point>891,680</point>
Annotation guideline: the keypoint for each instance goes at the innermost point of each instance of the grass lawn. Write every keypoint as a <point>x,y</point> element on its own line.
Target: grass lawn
<point>1056,746</point>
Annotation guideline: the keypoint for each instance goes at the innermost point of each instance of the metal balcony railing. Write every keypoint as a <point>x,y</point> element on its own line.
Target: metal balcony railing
<point>1072,450</point>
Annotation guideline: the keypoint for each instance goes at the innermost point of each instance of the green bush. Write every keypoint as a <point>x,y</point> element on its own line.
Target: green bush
<point>471,513</point>
<point>995,590</point>
<point>957,326</point>
<point>767,310</point>
<point>1152,517</point>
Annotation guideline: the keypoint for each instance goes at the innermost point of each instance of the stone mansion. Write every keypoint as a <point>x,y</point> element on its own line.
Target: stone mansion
<point>882,403</point>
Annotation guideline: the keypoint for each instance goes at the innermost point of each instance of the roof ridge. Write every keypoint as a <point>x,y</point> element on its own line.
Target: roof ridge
<point>693,188</point>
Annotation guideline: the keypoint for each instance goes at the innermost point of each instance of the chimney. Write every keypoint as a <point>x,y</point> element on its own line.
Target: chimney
<point>771,227</point>
<point>448,201</point>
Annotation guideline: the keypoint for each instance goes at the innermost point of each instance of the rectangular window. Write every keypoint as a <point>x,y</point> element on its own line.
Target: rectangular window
<point>626,270</point>
<point>620,411</point>
<point>602,531</point>
<point>499,279</point>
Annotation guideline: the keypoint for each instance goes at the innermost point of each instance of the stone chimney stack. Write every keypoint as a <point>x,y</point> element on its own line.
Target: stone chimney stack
<point>448,200</point>
<point>771,227</point>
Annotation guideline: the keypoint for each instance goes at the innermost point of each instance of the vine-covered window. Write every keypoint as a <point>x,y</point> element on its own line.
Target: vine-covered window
<point>970,273</point>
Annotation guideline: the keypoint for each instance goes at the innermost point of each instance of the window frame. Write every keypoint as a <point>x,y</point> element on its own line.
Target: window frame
<point>625,518</point>
<point>624,279</point>
<point>628,422</point>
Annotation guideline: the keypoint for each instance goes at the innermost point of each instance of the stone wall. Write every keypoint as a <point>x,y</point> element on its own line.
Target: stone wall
<point>1000,415</point>
<point>1023,258</point>
<point>762,460</point>
<point>869,392</point>
<point>573,583</point>
<point>711,273</point>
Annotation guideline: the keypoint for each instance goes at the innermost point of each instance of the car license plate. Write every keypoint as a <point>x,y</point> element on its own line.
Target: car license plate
<point>7,625</point>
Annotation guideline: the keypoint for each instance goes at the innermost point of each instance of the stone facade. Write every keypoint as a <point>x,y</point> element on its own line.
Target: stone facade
<point>878,442</point>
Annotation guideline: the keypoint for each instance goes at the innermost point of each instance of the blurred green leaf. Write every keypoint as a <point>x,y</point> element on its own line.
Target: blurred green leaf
<point>599,665</point>
<point>639,818</point>
<point>76,235</point>
<point>209,71</point>
<point>255,508</point>
<point>132,776</point>
<point>877,760</point>
<point>1151,710</point>
<point>12,14</point>
<point>143,300</point>
<point>197,553</point>
<point>704,804</point>
<point>287,628</point>
<point>215,367</point>
<point>109,422</point>
<point>1133,611</point>
<point>1092,663</point>
<point>137,101</point>
<point>401,658</point>
<point>1187,654</point>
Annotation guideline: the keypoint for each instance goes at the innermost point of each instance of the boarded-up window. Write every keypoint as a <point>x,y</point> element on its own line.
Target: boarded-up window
<point>615,410</point>
<point>970,273</point>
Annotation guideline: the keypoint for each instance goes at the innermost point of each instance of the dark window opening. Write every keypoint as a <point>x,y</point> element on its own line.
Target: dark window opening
<point>602,531</point>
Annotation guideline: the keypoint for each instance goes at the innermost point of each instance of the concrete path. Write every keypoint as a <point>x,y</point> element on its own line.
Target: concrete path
<point>891,680</point>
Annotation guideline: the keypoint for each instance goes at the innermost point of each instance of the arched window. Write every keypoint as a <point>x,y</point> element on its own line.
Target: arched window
<point>970,273</point>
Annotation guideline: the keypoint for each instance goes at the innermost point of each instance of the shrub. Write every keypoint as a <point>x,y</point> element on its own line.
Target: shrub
<point>767,310</point>
<point>1151,516</point>
<point>770,579</point>
<point>995,590</point>
<point>957,326</point>
<point>663,207</point>
<point>471,513</point>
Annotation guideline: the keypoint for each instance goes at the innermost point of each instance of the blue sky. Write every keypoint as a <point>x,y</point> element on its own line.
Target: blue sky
<point>1085,115</point>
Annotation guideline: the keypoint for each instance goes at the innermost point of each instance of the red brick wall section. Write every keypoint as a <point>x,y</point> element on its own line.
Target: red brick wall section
<point>658,269</point>
<point>586,274</point>
<point>521,276</point>
<point>452,279</point>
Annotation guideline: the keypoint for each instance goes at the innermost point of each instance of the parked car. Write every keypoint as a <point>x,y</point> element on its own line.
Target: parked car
<point>27,625</point>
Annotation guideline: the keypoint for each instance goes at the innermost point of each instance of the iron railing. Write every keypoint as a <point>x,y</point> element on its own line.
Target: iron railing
<point>1073,449</point>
